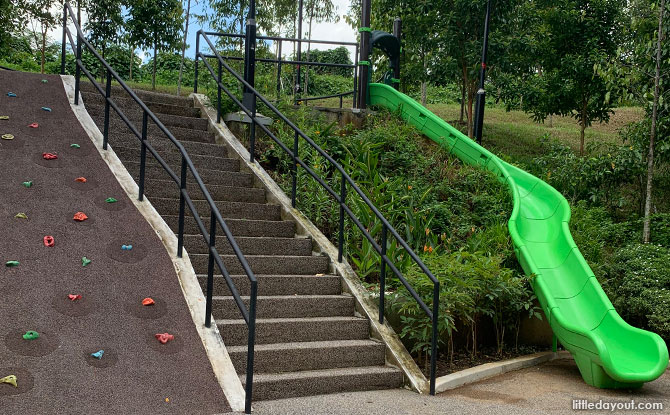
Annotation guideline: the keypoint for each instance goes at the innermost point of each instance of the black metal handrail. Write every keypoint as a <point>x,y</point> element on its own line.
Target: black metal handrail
<point>340,96</point>
<point>248,314</point>
<point>279,61</point>
<point>6,68</point>
<point>346,180</point>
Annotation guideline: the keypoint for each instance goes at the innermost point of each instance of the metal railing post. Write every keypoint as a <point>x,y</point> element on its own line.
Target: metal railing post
<point>294,169</point>
<point>433,346</point>
<point>197,56</point>
<point>210,269</point>
<point>182,208</point>
<point>355,79</point>
<point>252,130</point>
<point>279,71</point>
<point>340,236</point>
<point>62,52</point>
<point>77,72</point>
<point>143,155</point>
<point>251,340</point>
<point>382,276</point>
<point>218,97</point>
<point>108,93</point>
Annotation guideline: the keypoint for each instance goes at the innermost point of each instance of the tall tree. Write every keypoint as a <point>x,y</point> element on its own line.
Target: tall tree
<point>183,45</point>
<point>155,24</point>
<point>41,19</point>
<point>104,23</point>
<point>319,11</point>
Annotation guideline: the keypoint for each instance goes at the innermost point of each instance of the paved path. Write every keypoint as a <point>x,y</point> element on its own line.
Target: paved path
<point>545,389</point>
<point>55,372</point>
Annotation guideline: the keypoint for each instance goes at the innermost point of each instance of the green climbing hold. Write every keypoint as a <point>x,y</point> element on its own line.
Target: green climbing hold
<point>44,81</point>
<point>75,146</point>
<point>11,379</point>
<point>21,215</point>
<point>12,263</point>
<point>85,261</point>
<point>111,200</point>
<point>31,335</point>
<point>28,184</point>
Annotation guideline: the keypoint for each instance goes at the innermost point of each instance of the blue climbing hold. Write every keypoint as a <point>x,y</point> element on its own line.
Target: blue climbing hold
<point>126,247</point>
<point>11,94</point>
<point>98,354</point>
<point>46,109</point>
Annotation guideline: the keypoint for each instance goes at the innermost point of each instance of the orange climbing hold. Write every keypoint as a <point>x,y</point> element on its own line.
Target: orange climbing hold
<point>148,301</point>
<point>74,297</point>
<point>49,156</point>
<point>80,216</point>
<point>49,241</point>
<point>80,179</point>
<point>164,337</point>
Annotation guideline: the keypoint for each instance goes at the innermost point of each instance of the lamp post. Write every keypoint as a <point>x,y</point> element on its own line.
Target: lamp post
<point>481,92</point>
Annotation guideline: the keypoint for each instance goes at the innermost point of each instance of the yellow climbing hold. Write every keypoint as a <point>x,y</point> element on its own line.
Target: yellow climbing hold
<point>21,215</point>
<point>4,117</point>
<point>11,380</point>
<point>7,137</point>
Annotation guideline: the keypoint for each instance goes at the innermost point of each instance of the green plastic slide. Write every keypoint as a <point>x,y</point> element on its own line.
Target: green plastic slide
<point>609,352</point>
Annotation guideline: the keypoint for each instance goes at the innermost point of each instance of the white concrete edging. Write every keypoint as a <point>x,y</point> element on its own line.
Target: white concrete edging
<point>487,370</point>
<point>216,350</point>
<point>396,353</point>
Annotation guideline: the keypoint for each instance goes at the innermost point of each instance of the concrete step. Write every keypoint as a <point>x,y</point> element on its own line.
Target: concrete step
<point>162,144</point>
<point>239,210</point>
<point>251,246</point>
<point>146,96</point>
<point>287,306</point>
<point>265,264</point>
<point>156,172</point>
<point>287,330</point>
<point>318,382</point>
<point>277,284</point>
<point>291,357</point>
<point>166,188</point>
<point>174,159</point>
<point>116,125</point>
<point>135,113</point>
<point>239,227</point>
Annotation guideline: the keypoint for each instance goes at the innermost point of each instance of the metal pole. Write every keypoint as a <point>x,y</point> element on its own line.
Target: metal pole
<point>397,32</point>
<point>355,99</point>
<point>250,55</point>
<point>210,270</point>
<point>364,61</point>
<point>433,346</point>
<point>108,94</point>
<point>182,208</point>
<point>481,93</point>
<point>218,96</point>
<point>77,72</point>
<point>143,155</point>
<point>340,236</point>
<point>62,52</point>
<point>197,55</point>
<point>382,276</point>
<point>279,71</point>
<point>296,88</point>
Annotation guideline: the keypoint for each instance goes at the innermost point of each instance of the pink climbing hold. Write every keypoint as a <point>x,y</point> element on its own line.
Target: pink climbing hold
<point>164,337</point>
<point>33,125</point>
<point>74,297</point>
<point>49,241</point>
<point>80,216</point>
<point>49,156</point>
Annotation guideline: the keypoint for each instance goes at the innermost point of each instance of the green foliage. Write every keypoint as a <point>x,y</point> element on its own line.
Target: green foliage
<point>338,55</point>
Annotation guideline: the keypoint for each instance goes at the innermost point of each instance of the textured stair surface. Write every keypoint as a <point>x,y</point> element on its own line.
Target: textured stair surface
<point>309,340</point>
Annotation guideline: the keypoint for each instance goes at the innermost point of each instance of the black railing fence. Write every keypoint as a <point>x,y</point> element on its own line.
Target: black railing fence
<point>279,61</point>
<point>216,220</point>
<point>340,197</point>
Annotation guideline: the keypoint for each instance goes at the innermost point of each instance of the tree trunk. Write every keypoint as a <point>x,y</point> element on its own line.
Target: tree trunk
<point>132,57</point>
<point>153,75</point>
<point>242,28</point>
<point>183,47</point>
<point>582,126</point>
<point>646,231</point>
<point>44,45</point>
<point>460,120</point>
<point>424,83</point>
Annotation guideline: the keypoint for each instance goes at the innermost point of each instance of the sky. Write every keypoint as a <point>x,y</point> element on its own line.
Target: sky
<point>321,31</point>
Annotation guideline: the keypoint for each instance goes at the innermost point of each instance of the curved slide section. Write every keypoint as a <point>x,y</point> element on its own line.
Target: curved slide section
<point>609,352</point>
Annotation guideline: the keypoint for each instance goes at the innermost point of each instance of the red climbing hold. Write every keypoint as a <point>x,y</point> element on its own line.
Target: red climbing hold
<point>49,241</point>
<point>80,179</point>
<point>148,301</point>
<point>74,297</point>
<point>164,337</point>
<point>80,216</point>
<point>49,156</point>
<point>33,125</point>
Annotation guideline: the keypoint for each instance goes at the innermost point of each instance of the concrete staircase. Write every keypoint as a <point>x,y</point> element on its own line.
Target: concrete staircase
<point>309,339</point>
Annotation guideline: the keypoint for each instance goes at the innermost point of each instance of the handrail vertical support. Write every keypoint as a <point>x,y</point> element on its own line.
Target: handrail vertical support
<point>279,71</point>
<point>197,56</point>
<point>355,79</point>
<point>108,93</point>
<point>182,208</point>
<point>210,270</point>
<point>382,276</point>
<point>252,130</point>
<point>433,346</point>
<point>340,236</point>
<point>77,72</point>
<point>294,170</point>
<point>218,97</point>
<point>251,341</point>
<point>143,155</point>
<point>62,51</point>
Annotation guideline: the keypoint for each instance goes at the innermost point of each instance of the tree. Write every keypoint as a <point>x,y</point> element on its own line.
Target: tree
<point>104,23</point>
<point>319,11</point>
<point>183,45</point>
<point>41,20</point>
<point>577,36</point>
<point>157,24</point>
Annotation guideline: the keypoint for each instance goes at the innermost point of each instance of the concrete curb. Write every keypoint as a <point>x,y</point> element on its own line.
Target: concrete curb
<point>396,353</point>
<point>215,348</point>
<point>487,370</point>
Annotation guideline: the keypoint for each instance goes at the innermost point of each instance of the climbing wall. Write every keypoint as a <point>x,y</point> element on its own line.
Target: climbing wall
<point>92,317</point>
